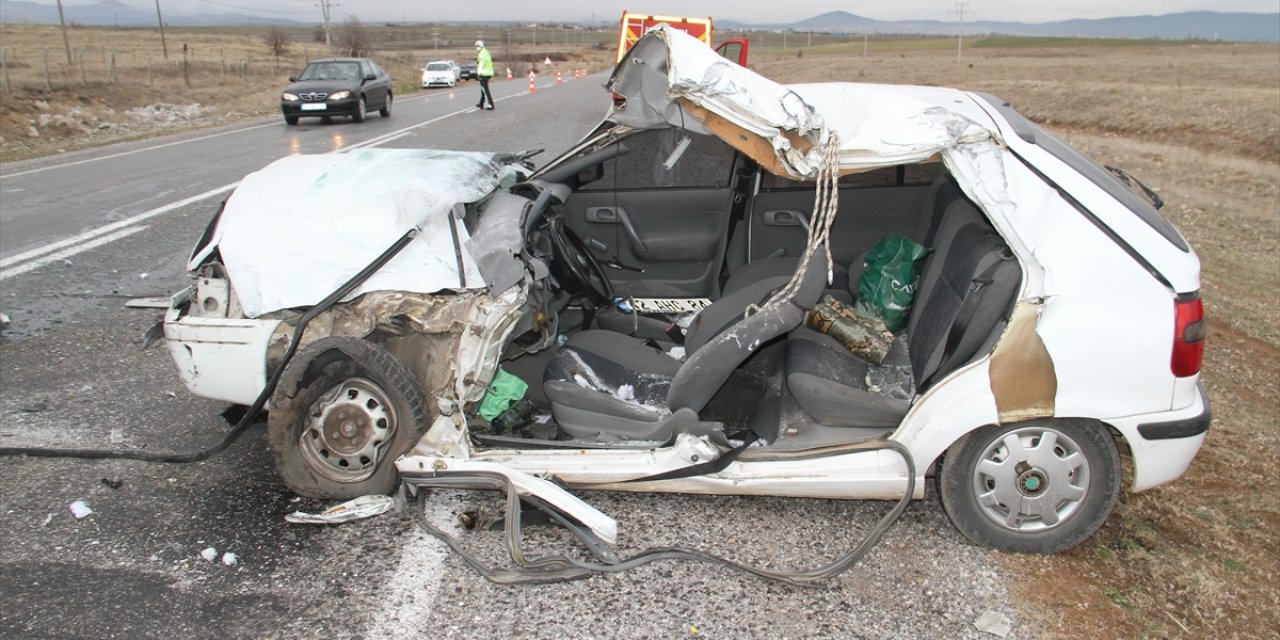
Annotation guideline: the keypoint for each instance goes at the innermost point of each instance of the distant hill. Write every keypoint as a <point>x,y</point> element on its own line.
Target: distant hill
<point>118,14</point>
<point>1207,25</point>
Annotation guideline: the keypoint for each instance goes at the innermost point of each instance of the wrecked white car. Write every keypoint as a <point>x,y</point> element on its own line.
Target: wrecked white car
<point>647,312</point>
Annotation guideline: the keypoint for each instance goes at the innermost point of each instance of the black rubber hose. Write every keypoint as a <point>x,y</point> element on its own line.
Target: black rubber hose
<point>247,420</point>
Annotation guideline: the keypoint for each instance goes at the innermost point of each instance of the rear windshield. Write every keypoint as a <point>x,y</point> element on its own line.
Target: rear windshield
<point>1096,173</point>
<point>439,66</point>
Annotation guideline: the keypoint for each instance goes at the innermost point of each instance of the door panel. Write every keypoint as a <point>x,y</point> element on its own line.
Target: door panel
<point>659,214</point>
<point>675,235</point>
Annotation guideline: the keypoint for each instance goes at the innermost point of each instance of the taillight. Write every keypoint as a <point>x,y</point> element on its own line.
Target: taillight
<point>1188,335</point>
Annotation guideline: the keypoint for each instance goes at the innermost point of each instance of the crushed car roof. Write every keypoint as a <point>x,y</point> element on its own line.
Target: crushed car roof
<point>672,79</point>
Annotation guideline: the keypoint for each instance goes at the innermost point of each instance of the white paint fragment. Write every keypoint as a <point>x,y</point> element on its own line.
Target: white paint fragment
<point>47,520</point>
<point>209,554</point>
<point>676,352</point>
<point>993,623</point>
<point>80,509</point>
<point>229,559</point>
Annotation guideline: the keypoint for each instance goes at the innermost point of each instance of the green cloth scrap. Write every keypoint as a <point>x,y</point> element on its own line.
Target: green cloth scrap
<point>504,391</point>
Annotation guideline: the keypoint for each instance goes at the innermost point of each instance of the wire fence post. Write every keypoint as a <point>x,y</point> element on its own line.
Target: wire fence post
<point>4,65</point>
<point>150,79</point>
<point>47,85</point>
<point>82,77</point>
<point>222,65</point>
<point>186,74</point>
<point>111,74</point>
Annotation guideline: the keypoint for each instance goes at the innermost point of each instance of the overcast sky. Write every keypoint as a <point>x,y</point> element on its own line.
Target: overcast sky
<point>748,11</point>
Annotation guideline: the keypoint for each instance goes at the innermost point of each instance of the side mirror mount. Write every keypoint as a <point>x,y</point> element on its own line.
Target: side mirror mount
<point>370,76</point>
<point>293,78</point>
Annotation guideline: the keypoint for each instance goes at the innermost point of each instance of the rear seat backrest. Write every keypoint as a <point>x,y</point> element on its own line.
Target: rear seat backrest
<point>957,214</point>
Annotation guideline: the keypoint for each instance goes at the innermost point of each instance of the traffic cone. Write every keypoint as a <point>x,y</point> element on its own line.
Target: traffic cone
<point>508,73</point>
<point>533,88</point>
<point>559,80</point>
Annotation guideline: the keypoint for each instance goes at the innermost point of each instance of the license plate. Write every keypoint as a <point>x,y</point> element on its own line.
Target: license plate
<point>674,306</point>
<point>314,106</point>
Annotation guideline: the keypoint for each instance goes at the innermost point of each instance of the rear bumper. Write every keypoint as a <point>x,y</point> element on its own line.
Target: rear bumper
<point>1163,445</point>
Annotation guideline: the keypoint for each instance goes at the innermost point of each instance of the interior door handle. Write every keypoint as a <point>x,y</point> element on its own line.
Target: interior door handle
<point>786,218</point>
<point>618,215</point>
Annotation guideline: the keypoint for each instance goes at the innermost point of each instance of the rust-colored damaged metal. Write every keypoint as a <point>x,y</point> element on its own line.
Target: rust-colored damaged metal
<point>1022,375</point>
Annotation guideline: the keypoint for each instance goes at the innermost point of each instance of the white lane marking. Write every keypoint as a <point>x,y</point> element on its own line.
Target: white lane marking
<point>132,151</point>
<point>62,255</point>
<point>107,229</point>
<point>83,237</point>
<point>411,589</point>
<point>161,146</point>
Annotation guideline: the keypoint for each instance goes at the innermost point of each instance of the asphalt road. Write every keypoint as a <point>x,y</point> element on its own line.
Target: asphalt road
<point>84,232</point>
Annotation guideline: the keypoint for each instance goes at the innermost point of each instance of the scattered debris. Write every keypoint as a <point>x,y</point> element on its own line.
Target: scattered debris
<point>80,509</point>
<point>355,509</point>
<point>4,321</point>
<point>209,554</point>
<point>47,520</point>
<point>36,407</point>
<point>114,483</point>
<point>993,623</point>
<point>143,275</point>
<point>115,436</point>
<point>229,559</point>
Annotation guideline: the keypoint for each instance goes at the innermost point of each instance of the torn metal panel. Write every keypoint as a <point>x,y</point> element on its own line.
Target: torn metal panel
<point>1023,379</point>
<point>392,312</point>
<point>294,231</point>
<point>497,241</point>
<point>671,79</point>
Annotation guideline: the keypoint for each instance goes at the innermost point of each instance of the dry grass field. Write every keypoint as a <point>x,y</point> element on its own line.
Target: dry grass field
<point>1198,122</point>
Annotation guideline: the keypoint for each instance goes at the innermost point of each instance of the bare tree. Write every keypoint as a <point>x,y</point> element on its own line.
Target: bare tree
<point>352,38</point>
<point>277,40</point>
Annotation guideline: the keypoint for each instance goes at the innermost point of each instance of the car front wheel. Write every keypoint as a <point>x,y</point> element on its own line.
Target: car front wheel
<point>344,411</point>
<point>291,120</point>
<point>386,107</point>
<point>361,110</point>
<point>1033,487</point>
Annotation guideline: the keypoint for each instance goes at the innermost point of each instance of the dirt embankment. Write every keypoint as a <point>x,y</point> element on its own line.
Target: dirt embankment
<point>1200,557</point>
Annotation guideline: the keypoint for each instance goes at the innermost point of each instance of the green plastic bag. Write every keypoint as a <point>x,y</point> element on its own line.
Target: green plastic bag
<point>888,285</point>
<point>504,391</point>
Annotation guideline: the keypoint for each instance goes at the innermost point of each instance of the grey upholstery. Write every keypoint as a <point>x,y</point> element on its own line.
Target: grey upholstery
<point>585,380</point>
<point>783,266</point>
<point>969,262</point>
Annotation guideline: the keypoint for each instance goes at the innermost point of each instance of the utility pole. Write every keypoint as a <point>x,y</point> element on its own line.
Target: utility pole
<point>962,10</point>
<point>163,45</point>
<point>325,6</point>
<point>66,42</point>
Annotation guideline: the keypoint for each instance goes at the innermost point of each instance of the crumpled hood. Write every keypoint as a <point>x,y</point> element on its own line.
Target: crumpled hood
<point>672,79</point>
<point>296,230</point>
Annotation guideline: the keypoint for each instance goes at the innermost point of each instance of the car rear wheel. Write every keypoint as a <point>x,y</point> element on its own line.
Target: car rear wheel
<point>386,107</point>
<point>1033,487</point>
<point>344,411</point>
<point>291,120</point>
<point>362,109</point>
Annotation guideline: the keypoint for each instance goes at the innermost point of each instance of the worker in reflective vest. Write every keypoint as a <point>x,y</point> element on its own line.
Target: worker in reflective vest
<point>484,71</point>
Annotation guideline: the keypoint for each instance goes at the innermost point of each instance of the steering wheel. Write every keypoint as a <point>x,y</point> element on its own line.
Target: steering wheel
<point>574,266</point>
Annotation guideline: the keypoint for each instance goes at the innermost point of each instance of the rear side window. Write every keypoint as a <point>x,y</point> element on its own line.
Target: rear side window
<point>706,163</point>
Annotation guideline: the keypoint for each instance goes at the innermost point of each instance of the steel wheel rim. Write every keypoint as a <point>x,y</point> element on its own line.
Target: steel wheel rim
<point>347,430</point>
<point>1031,479</point>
